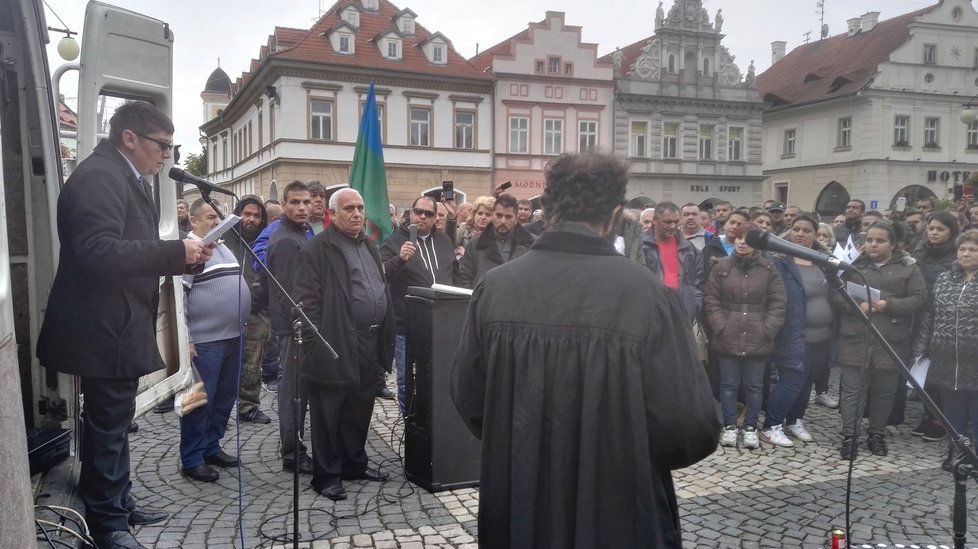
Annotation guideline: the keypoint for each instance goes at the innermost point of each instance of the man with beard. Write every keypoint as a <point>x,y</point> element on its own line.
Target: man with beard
<point>692,226</point>
<point>790,213</point>
<point>431,259</point>
<point>721,211</point>
<point>254,219</point>
<point>672,258</point>
<point>853,225</point>
<point>581,386</point>
<point>502,241</point>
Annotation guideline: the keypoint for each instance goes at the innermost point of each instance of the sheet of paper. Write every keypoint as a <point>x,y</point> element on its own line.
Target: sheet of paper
<point>230,221</point>
<point>445,288</point>
<point>858,291</point>
<point>919,371</point>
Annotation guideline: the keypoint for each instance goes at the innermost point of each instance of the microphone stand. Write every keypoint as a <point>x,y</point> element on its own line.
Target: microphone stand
<point>303,320</point>
<point>965,464</point>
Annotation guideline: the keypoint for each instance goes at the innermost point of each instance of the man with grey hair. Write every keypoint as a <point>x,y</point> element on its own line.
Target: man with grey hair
<point>646,219</point>
<point>340,281</point>
<point>677,263</point>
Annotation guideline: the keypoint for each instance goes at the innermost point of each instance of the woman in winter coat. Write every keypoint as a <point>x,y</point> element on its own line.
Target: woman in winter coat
<point>934,254</point>
<point>949,337</point>
<point>479,220</point>
<point>744,303</point>
<point>865,365</point>
<point>804,343</point>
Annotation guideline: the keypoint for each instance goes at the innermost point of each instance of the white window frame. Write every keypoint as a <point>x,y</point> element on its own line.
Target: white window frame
<point>789,141</point>
<point>639,141</point>
<point>419,129</point>
<point>519,134</point>
<point>706,141</point>
<point>553,136</point>
<point>465,131</point>
<point>587,132</point>
<point>843,138</point>
<point>438,54</point>
<point>670,142</point>
<point>393,49</point>
<point>345,42</point>
<point>735,145</point>
<point>971,135</point>
<point>932,132</point>
<point>321,120</point>
<point>901,130</point>
<point>930,54</point>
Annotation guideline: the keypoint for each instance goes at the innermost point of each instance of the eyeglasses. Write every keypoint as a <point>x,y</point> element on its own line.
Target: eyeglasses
<point>421,212</point>
<point>164,145</point>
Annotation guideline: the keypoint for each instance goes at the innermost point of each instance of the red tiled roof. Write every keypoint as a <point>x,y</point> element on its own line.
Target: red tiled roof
<point>314,47</point>
<point>836,66</point>
<point>66,117</point>
<point>629,54</point>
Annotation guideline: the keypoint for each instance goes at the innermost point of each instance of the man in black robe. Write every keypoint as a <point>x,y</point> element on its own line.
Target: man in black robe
<point>578,373</point>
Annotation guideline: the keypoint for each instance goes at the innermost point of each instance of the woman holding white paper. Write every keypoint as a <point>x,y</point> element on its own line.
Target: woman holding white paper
<point>949,337</point>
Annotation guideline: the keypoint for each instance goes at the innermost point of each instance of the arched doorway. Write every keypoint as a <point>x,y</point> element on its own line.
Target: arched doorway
<point>832,200</point>
<point>640,203</point>
<point>913,193</point>
<point>273,191</point>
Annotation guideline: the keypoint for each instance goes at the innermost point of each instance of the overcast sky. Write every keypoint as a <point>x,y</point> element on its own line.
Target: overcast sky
<point>234,30</point>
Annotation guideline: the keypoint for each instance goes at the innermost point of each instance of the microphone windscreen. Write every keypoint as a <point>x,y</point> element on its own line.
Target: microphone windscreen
<point>176,174</point>
<point>756,238</point>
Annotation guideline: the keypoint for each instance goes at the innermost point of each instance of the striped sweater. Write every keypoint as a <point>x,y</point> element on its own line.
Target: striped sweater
<point>217,301</point>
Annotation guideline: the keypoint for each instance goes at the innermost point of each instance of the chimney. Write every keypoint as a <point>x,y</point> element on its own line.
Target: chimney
<point>869,20</point>
<point>777,50</point>
<point>853,25</point>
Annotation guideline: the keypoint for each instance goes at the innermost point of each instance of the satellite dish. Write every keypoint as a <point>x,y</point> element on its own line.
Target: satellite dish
<point>825,30</point>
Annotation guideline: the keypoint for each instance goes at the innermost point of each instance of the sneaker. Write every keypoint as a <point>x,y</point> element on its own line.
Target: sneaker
<point>255,415</point>
<point>775,435</point>
<point>850,448</point>
<point>728,437</point>
<point>798,431</point>
<point>877,445</point>
<point>750,438</point>
<point>823,399</point>
<point>933,432</point>
<point>918,431</point>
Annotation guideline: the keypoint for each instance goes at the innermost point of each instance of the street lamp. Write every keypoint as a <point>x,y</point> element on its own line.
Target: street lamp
<point>969,115</point>
<point>67,47</point>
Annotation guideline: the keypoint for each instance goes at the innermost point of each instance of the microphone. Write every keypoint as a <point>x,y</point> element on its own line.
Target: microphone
<point>763,240</point>
<point>177,174</point>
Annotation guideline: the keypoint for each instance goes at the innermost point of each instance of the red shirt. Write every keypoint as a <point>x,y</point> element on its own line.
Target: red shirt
<point>669,259</point>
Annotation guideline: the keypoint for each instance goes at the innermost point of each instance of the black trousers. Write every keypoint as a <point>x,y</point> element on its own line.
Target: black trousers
<point>339,418</point>
<point>104,484</point>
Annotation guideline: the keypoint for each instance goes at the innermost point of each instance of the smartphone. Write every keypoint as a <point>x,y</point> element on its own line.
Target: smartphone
<point>505,186</point>
<point>448,190</point>
<point>901,203</point>
<point>414,234</point>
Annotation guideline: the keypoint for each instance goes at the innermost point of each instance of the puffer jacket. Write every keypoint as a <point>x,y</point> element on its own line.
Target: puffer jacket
<point>903,288</point>
<point>744,302</point>
<point>949,332</point>
<point>934,260</point>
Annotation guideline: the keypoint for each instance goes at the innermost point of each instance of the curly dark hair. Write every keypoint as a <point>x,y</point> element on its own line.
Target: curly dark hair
<point>585,188</point>
<point>507,201</point>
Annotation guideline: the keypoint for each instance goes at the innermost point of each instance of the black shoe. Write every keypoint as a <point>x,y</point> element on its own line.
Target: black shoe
<point>164,407</point>
<point>120,539</point>
<point>367,474</point>
<point>335,493</point>
<point>877,445</point>
<point>305,464</point>
<point>202,472</point>
<point>133,427</point>
<point>255,415</point>
<point>933,432</point>
<point>141,516</point>
<point>918,431</point>
<point>850,448</point>
<point>385,393</point>
<point>221,459</point>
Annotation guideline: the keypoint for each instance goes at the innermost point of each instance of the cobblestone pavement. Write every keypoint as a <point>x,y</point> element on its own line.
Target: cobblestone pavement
<point>771,497</point>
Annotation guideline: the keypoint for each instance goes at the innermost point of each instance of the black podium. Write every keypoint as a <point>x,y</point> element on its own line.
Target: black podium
<point>440,453</point>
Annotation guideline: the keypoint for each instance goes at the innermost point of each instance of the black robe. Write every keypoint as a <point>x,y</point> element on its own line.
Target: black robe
<point>577,370</point>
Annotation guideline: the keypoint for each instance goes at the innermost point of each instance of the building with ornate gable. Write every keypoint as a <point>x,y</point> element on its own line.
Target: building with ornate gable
<point>295,113</point>
<point>686,117</point>
<point>552,95</point>
<point>874,113</point>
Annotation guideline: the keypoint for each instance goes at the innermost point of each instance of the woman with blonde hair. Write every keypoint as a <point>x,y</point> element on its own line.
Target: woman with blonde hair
<point>826,237</point>
<point>479,220</point>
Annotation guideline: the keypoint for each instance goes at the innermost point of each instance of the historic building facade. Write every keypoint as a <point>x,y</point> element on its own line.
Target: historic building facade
<point>295,113</point>
<point>686,117</point>
<point>552,95</point>
<point>873,113</point>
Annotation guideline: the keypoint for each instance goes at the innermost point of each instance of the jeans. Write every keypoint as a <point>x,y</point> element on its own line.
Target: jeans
<point>789,398</point>
<point>201,430</point>
<point>853,386</point>
<point>960,407</point>
<point>733,371</point>
<point>399,359</point>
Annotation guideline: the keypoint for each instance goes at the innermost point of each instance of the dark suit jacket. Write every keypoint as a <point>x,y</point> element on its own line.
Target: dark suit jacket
<point>101,314</point>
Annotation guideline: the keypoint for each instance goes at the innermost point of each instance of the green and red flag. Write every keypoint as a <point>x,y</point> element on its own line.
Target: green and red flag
<point>367,174</point>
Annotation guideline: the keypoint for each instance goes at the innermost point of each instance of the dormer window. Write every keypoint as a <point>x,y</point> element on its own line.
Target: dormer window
<point>369,4</point>
<point>345,44</point>
<point>351,16</point>
<point>407,25</point>
<point>438,54</point>
<point>393,49</point>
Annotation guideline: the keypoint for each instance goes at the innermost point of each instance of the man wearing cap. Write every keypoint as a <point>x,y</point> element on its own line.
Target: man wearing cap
<point>777,217</point>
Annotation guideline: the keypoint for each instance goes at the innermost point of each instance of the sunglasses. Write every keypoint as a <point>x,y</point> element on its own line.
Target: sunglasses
<point>421,212</point>
<point>164,145</point>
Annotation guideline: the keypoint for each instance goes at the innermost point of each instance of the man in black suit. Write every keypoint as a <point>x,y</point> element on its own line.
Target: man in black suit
<point>101,316</point>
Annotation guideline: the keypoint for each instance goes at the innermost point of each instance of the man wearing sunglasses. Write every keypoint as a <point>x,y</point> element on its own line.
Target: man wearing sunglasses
<point>101,315</point>
<point>431,259</point>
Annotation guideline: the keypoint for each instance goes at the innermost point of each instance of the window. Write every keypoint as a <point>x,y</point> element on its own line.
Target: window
<point>706,66</point>
<point>438,54</point>
<point>788,148</point>
<point>539,67</point>
<point>844,137</point>
<point>261,131</point>
<point>588,133</point>
<point>271,122</point>
<point>519,131</point>
<point>464,129</point>
<point>568,69</point>
<point>670,140</point>
<point>352,17</point>
<point>706,142</point>
<point>931,128</point>
<point>930,54</point>
<point>344,44</point>
<point>420,125</point>
<point>224,151</point>
<point>213,159</point>
<point>553,136</point>
<point>972,136</point>
<point>735,140</point>
<point>393,49</point>
<point>407,25</point>
<point>321,119</point>
<point>672,63</point>
<point>553,65</point>
<point>637,138</point>
<point>901,131</point>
